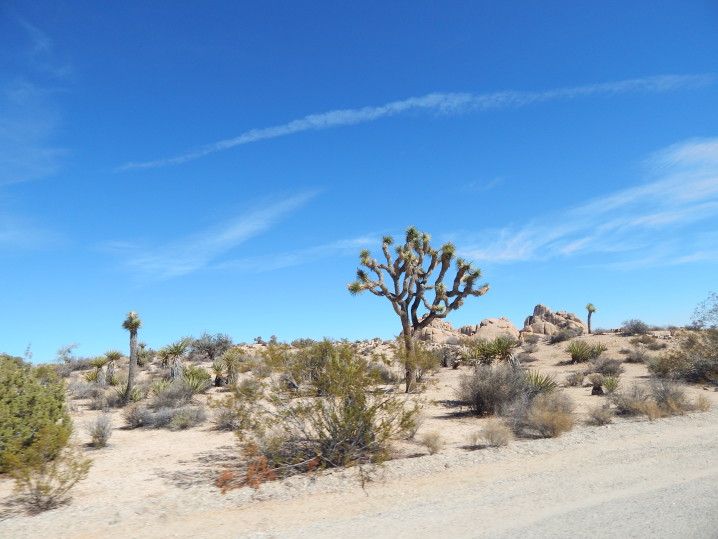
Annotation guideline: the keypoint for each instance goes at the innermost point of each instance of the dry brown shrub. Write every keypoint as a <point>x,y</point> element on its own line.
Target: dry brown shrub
<point>433,442</point>
<point>703,403</point>
<point>551,415</point>
<point>599,415</point>
<point>497,434</point>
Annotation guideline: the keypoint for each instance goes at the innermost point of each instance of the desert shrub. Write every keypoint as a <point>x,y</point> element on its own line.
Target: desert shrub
<point>575,379</point>
<point>100,431</point>
<point>696,359</point>
<point>632,401</point>
<point>611,383</point>
<point>540,383</point>
<point>532,339</point>
<point>158,386</point>
<point>657,345</point>
<point>74,364</point>
<point>43,476</point>
<point>496,434</point>
<point>350,423</point>
<point>564,334</point>
<point>32,400</point>
<point>600,331</point>
<point>383,373</point>
<point>596,379</point>
<point>99,401</point>
<point>208,347</point>
<point>134,416</point>
<point>644,339</point>
<point>607,367</point>
<point>187,417</point>
<point>225,418</point>
<point>551,415</point>
<point>421,361</point>
<point>635,327</point>
<point>175,395</point>
<point>523,357</point>
<point>599,415</point>
<point>703,403</point>
<point>491,389</point>
<point>433,442</point>
<point>302,343</point>
<point>637,354</point>
<point>669,396</point>
<point>530,348</point>
<point>196,379</point>
<point>81,389</point>
<point>92,376</point>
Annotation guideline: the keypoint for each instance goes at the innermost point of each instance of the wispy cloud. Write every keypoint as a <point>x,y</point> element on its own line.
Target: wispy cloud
<point>300,256</point>
<point>440,103</point>
<point>647,225</point>
<point>197,251</point>
<point>29,116</point>
<point>19,234</point>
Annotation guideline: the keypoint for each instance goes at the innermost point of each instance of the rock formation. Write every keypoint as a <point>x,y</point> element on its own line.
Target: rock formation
<point>545,322</point>
<point>441,331</point>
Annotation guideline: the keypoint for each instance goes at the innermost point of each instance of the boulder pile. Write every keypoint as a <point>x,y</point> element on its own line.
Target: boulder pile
<point>545,322</point>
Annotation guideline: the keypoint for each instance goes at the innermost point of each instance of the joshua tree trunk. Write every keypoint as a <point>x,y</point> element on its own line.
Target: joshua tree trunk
<point>409,360</point>
<point>132,323</point>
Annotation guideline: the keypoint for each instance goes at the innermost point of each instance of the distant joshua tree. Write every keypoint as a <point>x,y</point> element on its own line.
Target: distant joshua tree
<point>112,357</point>
<point>410,278</point>
<point>132,323</point>
<point>591,309</point>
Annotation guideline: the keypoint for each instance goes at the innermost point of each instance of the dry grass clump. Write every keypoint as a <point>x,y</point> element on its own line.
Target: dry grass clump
<point>662,398</point>
<point>433,442</point>
<point>607,367</point>
<point>703,403</point>
<point>551,415</point>
<point>496,434</point>
<point>575,379</point>
<point>599,415</point>
<point>100,431</point>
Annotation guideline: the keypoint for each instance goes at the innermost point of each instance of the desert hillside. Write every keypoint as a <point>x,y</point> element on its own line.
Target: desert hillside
<point>150,482</point>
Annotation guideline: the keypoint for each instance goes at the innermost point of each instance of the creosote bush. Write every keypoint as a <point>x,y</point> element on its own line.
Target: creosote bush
<point>342,419</point>
<point>32,400</point>
<point>600,415</point>
<point>695,360</point>
<point>564,335</point>
<point>635,327</point>
<point>43,476</point>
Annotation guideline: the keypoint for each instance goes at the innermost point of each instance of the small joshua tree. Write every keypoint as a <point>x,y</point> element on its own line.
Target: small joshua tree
<point>591,309</point>
<point>415,272</point>
<point>132,323</point>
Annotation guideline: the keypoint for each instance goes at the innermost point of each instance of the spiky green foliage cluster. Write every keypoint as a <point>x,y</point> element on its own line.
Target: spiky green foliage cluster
<point>583,351</point>
<point>196,379</point>
<point>415,270</point>
<point>490,350</point>
<point>31,400</point>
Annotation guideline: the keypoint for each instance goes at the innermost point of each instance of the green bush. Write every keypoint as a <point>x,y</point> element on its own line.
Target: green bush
<point>635,327</point>
<point>32,400</point>
<point>349,422</point>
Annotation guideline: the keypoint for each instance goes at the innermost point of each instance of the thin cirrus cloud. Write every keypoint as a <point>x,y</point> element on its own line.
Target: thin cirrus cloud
<point>442,103</point>
<point>198,251</point>
<point>642,226</point>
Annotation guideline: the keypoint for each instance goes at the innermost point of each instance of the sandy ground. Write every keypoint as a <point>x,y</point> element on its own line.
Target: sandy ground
<point>632,478</point>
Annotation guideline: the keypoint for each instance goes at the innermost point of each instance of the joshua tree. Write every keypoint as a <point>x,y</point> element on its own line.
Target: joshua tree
<point>172,355</point>
<point>591,309</point>
<point>410,278</point>
<point>132,323</point>
<point>112,357</point>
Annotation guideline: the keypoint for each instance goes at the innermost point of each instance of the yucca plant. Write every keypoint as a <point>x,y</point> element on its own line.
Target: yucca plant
<point>158,386</point>
<point>540,382</point>
<point>137,393</point>
<point>196,379</point>
<point>172,356</point>
<point>218,366</point>
<point>611,383</point>
<point>100,375</point>
<point>580,351</point>
<point>232,361</point>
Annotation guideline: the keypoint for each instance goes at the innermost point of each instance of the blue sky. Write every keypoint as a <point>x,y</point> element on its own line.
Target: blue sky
<point>217,166</point>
